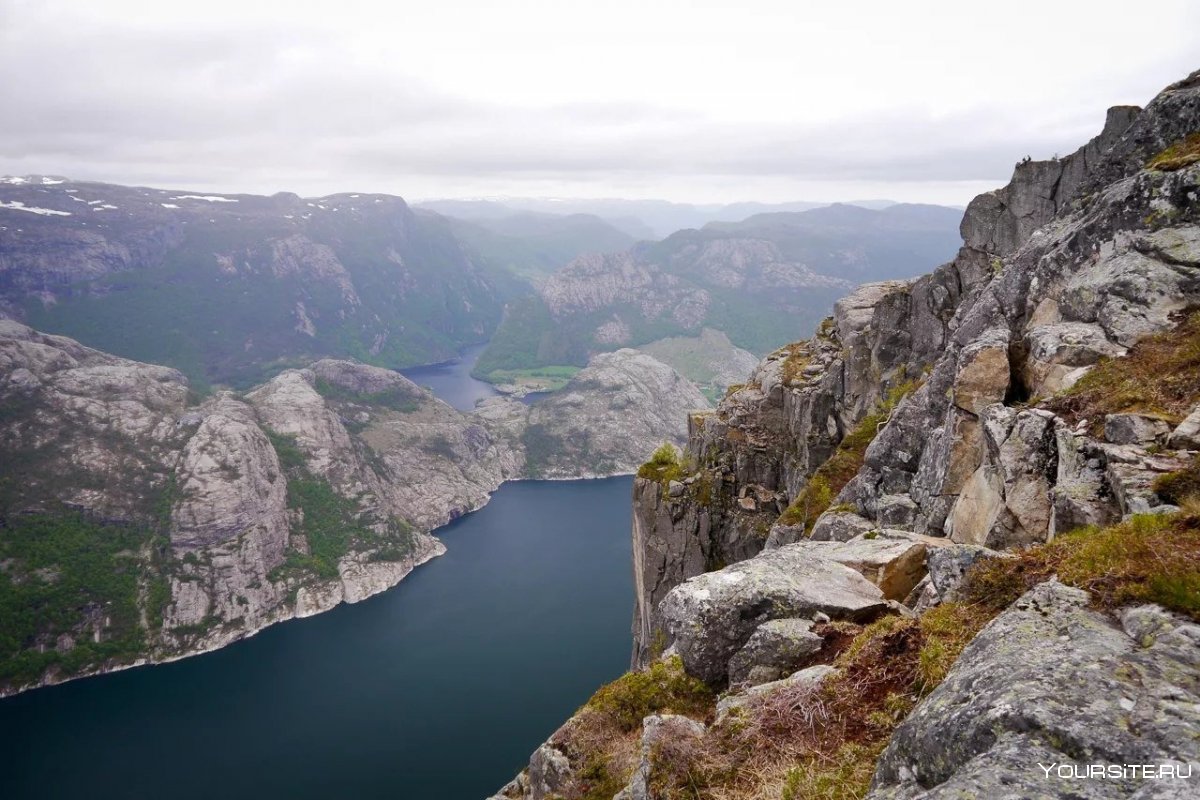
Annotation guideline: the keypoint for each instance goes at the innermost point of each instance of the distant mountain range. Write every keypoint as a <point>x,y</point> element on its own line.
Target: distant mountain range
<point>641,219</point>
<point>233,288</point>
<point>762,282</point>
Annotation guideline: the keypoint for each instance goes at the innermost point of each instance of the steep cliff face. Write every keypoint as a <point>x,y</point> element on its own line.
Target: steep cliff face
<point>217,517</point>
<point>924,460</point>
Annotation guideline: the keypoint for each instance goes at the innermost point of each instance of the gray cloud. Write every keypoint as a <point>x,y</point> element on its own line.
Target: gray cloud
<point>257,107</point>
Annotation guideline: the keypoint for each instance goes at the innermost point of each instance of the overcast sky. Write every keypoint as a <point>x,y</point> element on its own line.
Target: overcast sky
<point>694,101</point>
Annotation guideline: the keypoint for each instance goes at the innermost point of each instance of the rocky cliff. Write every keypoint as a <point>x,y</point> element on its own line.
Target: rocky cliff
<point>903,488</point>
<point>141,521</point>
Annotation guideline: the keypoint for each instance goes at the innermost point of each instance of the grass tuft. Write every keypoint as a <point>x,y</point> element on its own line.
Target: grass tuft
<point>1180,154</point>
<point>662,687</point>
<point>664,465</point>
<point>1159,376</point>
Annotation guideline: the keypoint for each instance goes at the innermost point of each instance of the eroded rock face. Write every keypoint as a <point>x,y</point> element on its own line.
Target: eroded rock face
<point>1051,681</point>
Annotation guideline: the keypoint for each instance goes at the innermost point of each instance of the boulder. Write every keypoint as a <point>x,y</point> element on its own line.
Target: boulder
<point>1054,682</point>
<point>778,647</point>
<point>807,679</point>
<point>1187,435</point>
<point>711,616</point>
<point>1136,429</point>
<point>983,372</point>
<point>948,566</point>
<point>840,526</point>
<point>895,565</point>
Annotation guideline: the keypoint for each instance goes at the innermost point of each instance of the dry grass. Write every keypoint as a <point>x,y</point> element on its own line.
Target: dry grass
<point>1145,559</point>
<point>603,753</point>
<point>799,356</point>
<point>1182,153</point>
<point>1159,376</point>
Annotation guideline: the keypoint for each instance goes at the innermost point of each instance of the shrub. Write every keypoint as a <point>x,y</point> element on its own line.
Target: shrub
<point>799,357</point>
<point>60,570</point>
<point>1182,486</point>
<point>662,687</point>
<point>663,465</point>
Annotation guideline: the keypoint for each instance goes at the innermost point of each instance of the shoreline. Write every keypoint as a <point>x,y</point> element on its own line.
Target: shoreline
<point>439,549</point>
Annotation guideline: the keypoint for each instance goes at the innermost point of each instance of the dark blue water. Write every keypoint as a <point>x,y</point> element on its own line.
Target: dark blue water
<point>452,381</point>
<point>436,690</point>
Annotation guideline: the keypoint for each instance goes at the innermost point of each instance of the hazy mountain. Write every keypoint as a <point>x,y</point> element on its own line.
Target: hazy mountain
<point>762,282</point>
<point>534,245</point>
<point>642,219</point>
<point>230,288</point>
<point>859,244</point>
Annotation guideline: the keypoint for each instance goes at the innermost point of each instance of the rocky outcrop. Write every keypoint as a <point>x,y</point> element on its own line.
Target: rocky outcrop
<point>609,417</point>
<point>1075,690</point>
<point>1058,270</point>
<point>1070,266</point>
<point>712,616</point>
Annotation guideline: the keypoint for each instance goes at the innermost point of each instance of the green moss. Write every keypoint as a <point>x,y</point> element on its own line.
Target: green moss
<point>1182,153</point>
<point>1182,486</point>
<point>662,687</point>
<point>597,781</point>
<point>664,465</point>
